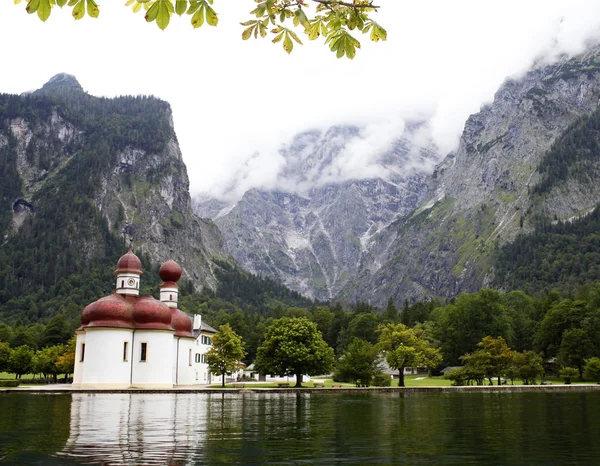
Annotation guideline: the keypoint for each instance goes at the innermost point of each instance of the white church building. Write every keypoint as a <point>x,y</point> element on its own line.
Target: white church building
<point>131,341</point>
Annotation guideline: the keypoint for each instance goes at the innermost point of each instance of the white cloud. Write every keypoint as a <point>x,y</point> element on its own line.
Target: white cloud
<point>233,99</point>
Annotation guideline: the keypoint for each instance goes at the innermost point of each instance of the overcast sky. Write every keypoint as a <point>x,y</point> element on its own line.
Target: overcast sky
<point>231,98</point>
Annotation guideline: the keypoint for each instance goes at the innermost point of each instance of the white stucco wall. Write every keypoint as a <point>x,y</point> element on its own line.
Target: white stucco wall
<point>186,373</point>
<point>157,370</point>
<point>78,370</point>
<point>103,365</point>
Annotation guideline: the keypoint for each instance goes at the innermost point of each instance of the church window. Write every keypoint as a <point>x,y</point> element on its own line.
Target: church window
<point>125,345</point>
<point>170,297</point>
<point>143,352</point>
<point>198,358</point>
<point>82,352</point>
<point>122,283</point>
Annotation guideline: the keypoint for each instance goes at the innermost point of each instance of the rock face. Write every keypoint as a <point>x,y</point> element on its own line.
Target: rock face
<point>482,195</point>
<point>312,237</point>
<point>110,166</point>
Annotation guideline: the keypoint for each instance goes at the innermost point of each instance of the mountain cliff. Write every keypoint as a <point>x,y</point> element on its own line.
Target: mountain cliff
<point>83,178</point>
<point>492,189</point>
<point>312,231</point>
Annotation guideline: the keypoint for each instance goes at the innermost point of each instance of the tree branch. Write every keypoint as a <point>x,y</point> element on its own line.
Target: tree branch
<point>330,3</point>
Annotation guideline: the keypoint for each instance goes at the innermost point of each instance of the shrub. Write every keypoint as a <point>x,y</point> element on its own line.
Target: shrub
<point>9,383</point>
<point>382,380</point>
<point>568,373</point>
<point>458,376</point>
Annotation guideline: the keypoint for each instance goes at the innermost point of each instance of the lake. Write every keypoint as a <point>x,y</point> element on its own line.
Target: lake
<point>291,429</point>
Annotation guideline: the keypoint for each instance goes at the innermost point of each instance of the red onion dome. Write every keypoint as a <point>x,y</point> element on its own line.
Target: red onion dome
<point>110,311</point>
<point>129,263</point>
<point>170,271</point>
<point>149,313</point>
<point>182,324</point>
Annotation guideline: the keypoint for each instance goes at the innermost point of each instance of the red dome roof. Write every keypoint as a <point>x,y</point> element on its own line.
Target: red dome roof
<point>170,271</point>
<point>129,263</point>
<point>149,313</point>
<point>110,311</point>
<point>182,324</point>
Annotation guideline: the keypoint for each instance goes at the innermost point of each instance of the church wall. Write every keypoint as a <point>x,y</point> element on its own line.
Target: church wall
<point>186,374</point>
<point>104,364</point>
<point>157,370</point>
<point>78,371</point>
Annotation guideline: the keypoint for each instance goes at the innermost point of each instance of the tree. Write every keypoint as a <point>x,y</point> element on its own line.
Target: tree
<point>44,360</point>
<point>574,348</point>
<point>224,357</point>
<point>332,19</point>
<point>20,361</point>
<point>391,312</point>
<point>66,362</point>
<point>498,354</point>
<point>57,332</point>
<point>294,346</point>
<point>4,356</point>
<point>359,363</point>
<point>592,369</point>
<point>529,366</point>
<point>568,373</point>
<point>406,347</point>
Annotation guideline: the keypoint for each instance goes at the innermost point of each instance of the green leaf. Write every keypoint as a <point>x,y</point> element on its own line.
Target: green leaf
<point>44,10</point>
<point>152,12</point>
<point>288,45</point>
<point>92,9</point>
<point>164,13</point>
<point>61,3</point>
<point>198,18</point>
<point>180,6</point>
<point>248,32</point>
<point>32,6</point>
<point>211,16</point>
<point>79,10</point>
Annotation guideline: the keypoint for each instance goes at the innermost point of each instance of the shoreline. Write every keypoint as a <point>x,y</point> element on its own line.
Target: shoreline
<point>346,390</point>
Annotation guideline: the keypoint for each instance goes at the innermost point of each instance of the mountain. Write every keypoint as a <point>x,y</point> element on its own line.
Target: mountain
<point>522,163</point>
<point>312,231</point>
<point>83,178</point>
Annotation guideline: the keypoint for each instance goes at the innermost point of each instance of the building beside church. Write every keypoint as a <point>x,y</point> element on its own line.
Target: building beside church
<point>131,341</point>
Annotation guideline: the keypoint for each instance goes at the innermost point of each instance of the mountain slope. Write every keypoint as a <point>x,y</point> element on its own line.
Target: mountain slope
<point>312,231</point>
<point>82,178</point>
<point>483,195</point>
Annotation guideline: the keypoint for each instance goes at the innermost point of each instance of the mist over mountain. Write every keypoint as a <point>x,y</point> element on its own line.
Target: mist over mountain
<point>334,191</point>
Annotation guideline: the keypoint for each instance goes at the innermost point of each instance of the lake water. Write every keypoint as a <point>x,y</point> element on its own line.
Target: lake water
<point>293,429</point>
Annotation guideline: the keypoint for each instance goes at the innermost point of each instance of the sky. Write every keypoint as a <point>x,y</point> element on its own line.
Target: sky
<point>236,102</point>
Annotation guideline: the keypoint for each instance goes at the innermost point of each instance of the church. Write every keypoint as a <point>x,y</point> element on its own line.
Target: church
<point>131,341</point>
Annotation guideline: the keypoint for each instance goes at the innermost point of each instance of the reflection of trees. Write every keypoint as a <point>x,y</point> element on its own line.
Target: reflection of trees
<point>32,425</point>
<point>315,428</point>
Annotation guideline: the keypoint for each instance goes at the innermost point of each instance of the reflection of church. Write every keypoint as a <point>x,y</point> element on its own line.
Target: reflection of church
<point>130,341</point>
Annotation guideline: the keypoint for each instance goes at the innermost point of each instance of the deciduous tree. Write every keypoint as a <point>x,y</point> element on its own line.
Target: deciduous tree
<point>359,363</point>
<point>226,353</point>
<point>294,346</point>
<point>407,347</point>
<point>20,361</point>
<point>592,369</point>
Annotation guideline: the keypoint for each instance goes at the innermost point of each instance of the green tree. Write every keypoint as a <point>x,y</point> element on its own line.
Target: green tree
<point>4,356</point>
<point>334,20</point>
<point>406,347</point>
<point>66,362</point>
<point>224,357</point>
<point>359,363</point>
<point>20,361</point>
<point>592,369</point>
<point>574,348</point>
<point>294,346</point>
<point>391,312</point>
<point>498,354</point>
<point>529,366</point>
<point>568,374</point>
<point>57,332</point>
<point>44,360</point>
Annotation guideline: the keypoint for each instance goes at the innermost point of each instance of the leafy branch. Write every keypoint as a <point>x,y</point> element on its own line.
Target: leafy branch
<point>334,20</point>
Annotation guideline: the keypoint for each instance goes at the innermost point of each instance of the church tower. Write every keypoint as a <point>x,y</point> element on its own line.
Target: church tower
<point>129,269</point>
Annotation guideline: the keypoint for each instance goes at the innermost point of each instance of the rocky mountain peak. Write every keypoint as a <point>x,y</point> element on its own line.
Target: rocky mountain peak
<point>61,82</point>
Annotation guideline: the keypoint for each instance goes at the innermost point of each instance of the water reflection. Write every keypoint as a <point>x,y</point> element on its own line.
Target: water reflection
<point>290,428</point>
